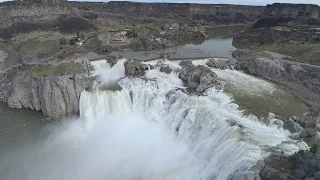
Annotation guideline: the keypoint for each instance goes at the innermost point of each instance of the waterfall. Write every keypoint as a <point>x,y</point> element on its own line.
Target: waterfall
<point>219,140</point>
<point>149,128</point>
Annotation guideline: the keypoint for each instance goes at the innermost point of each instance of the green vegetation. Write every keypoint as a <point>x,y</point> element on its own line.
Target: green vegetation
<point>297,158</point>
<point>143,31</point>
<point>39,47</point>
<point>314,148</point>
<point>154,27</point>
<point>60,69</point>
<point>146,29</point>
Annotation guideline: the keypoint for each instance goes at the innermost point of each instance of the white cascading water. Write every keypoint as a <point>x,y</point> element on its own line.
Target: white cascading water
<point>219,138</point>
<point>149,130</point>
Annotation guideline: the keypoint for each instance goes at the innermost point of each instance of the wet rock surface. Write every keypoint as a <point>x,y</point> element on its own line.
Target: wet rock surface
<point>135,68</point>
<point>112,60</point>
<point>197,78</point>
<point>222,63</point>
<point>45,87</point>
<point>166,69</point>
<point>267,68</point>
<point>54,96</point>
<point>307,124</point>
<point>302,165</point>
<point>302,80</point>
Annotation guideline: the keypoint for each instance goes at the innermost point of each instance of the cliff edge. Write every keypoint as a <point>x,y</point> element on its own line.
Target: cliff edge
<point>284,23</point>
<point>53,89</point>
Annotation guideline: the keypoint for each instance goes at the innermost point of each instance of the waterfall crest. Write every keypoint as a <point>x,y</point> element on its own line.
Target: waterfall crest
<point>219,138</point>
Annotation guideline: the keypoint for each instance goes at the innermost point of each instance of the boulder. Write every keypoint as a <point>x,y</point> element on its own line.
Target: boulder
<point>4,91</point>
<point>316,175</point>
<point>216,63</point>
<point>222,63</point>
<point>3,56</point>
<point>295,70</point>
<point>165,69</point>
<point>269,173</point>
<point>135,68</point>
<point>112,60</point>
<point>243,176</point>
<point>175,26</point>
<point>197,78</point>
<point>308,122</point>
<point>267,68</point>
<point>240,52</point>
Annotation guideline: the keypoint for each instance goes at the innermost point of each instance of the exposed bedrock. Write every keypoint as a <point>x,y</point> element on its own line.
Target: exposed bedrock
<point>302,80</point>
<point>55,96</point>
<point>184,12</point>
<point>135,68</point>
<point>112,60</point>
<point>283,23</point>
<point>267,68</point>
<point>301,165</point>
<point>197,78</point>
<point>166,69</point>
<point>222,63</point>
<point>53,89</point>
<point>31,15</point>
<point>306,125</point>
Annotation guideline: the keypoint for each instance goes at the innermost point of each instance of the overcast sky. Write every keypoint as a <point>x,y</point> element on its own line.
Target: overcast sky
<point>250,2</point>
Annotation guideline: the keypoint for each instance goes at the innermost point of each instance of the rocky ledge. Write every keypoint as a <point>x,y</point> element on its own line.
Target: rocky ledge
<point>306,125</point>
<point>54,96</point>
<point>53,89</point>
<point>302,80</point>
<point>282,23</point>
<point>197,78</point>
<point>135,68</point>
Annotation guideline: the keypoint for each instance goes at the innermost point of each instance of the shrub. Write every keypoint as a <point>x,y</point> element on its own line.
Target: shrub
<point>314,148</point>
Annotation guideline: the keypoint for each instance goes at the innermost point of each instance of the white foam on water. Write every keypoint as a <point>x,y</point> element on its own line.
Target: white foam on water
<point>152,130</point>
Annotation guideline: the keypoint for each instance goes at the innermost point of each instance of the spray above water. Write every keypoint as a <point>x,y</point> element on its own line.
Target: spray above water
<point>149,129</point>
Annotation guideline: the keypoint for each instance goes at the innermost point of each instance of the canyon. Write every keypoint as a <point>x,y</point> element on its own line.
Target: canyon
<point>45,66</point>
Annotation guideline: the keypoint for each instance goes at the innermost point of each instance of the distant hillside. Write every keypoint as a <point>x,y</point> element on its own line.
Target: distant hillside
<point>67,17</point>
<point>284,23</point>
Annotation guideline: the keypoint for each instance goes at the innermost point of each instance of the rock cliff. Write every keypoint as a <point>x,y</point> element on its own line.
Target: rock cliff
<point>53,89</point>
<point>302,80</point>
<point>54,96</point>
<point>47,15</point>
<point>284,23</point>
<point>210,13</point>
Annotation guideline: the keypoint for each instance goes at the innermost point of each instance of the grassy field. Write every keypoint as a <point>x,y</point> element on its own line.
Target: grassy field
<point>143,31</point>
<point>60,69</point>
<point>35,47</point>
<point>154,27</point>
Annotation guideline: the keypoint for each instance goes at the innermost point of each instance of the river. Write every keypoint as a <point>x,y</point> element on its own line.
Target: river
<point>218,44</point>
<point>151,133</point>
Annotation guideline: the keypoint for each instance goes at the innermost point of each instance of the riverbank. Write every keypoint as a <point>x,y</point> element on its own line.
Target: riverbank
<point>300,79</point>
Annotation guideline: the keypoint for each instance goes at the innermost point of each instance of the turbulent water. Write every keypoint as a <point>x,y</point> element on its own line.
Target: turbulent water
<point>149,129</point>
